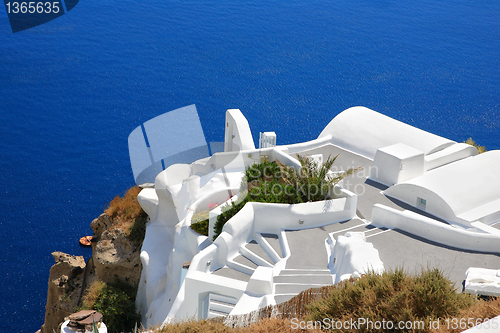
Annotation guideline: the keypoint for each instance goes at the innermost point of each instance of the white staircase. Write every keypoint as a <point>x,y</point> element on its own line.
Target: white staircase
<point>219,305</point>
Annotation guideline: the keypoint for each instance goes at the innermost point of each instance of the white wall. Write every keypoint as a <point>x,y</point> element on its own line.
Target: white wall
<point>363,131</point>
<point>397,163</point>
<point>238,135</point>
<point>253,219</point>
<point>450,154</point>
<point>351,255</point>
<point>410,194</point>
<point>433,230</point>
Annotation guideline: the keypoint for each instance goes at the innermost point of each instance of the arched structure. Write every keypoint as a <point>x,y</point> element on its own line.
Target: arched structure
<point>364,131</point>
<point>462,192</point>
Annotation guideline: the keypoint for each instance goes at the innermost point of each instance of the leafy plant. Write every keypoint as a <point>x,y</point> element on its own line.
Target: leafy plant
<point>314,181</point>
<point>274,182</point>
<point>227,213</point>
<point>117,305</point>
<point>94,327</point>
<point>200,227</point>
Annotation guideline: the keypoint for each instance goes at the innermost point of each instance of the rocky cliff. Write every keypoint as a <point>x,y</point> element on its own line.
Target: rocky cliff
<point>65,283</point>
<point>115,256</point>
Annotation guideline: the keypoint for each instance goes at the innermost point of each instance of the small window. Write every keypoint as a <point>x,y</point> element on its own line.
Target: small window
<point>421,203</point>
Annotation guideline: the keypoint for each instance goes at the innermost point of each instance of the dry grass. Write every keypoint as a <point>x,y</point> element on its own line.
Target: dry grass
<point>391,296</point>
<point>479,312</point>
<point>126,208</point>
<point>128,215</point>
<point>275,325</point>
<point>480,149</point>
<point>93,294</point>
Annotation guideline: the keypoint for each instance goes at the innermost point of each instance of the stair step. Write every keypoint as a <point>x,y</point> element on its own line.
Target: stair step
<point>294,288</point>
<point>232,274</point>
<point>254,247</point>
<point>281,298</point>
<point>223,299</point>
<point>220,306</point>
<point>264,244</point>
<point>245,261</point>
<point>240,267</point>
<point>305,271</point>
<point>274,241</point>
<point>253,257</point>
<point>215,314</point>
<point>305,279</point>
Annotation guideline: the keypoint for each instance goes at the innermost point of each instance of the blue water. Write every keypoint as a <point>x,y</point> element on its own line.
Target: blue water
<point>73,89</point>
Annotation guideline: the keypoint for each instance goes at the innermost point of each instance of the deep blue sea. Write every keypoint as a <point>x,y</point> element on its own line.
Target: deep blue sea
<point>73,89</point>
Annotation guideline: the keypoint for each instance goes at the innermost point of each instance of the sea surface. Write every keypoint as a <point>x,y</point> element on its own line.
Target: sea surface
<point>72,90</point>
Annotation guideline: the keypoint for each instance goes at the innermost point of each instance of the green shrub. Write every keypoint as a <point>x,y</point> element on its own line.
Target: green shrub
<point>274,182</point>
<point>200,227</point>
<point>117,305</point>
<point>227,213</point>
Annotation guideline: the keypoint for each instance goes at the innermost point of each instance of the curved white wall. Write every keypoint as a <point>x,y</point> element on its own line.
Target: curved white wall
<point>435,205</point>
<point>463,191</point>
<point>363,131</point>
<point>433,230</point>
<point>254,219</point>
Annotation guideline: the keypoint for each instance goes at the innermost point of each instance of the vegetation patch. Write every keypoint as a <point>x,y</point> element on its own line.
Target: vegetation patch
<point>480,149</point>
<point>274,182</point>
<point>93,293</point>
<point>396,297</point>
<point>228,211</point>
<point>116,302</point>
<point>392,296</point>
<point>200,227</point>
<point>128,215</point>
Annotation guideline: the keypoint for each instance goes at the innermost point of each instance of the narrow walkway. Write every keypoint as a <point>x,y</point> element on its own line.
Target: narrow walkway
<point>307,266</point>
<point>400,249</point>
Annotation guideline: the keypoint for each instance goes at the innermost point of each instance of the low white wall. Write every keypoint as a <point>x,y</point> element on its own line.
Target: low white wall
<point>450,154</point>
<point>433,230</point>
<point>435,205</point>
<point>256,218</point>
<point>482,281</point>
<point>148,200</point>
<point>351,255</point>
<point>253,219</point>
<point>196,284</point>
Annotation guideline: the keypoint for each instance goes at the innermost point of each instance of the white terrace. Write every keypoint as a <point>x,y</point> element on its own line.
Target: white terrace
<point>421,200</point>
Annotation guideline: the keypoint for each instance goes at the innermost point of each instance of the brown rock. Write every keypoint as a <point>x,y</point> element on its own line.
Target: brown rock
<point>63,291</point>
<point>116,257</point>
<point>100,224</point>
